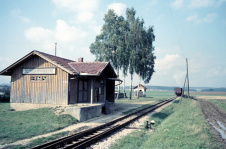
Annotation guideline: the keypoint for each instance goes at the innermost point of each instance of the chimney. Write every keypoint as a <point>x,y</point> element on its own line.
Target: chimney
<point>80,59</point>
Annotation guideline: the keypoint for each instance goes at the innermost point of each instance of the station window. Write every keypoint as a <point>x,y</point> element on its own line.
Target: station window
<point>43,78</point>
<point>32,78</point>
<point>38,78</point>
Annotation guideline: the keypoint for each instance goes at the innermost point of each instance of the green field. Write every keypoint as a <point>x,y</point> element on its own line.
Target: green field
<point>150,96</point>
<point>18,125</point>
<point>180,125</point>
<point>219,103</point>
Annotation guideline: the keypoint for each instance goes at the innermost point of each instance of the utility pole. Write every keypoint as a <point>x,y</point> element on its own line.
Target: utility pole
<point>187,77</point>
<point>55,48</point>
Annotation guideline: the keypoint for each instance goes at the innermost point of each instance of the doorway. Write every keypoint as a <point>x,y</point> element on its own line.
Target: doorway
<point>83,90</point>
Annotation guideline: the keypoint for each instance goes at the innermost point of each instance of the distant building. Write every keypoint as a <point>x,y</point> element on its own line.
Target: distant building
<point>40,78</point>
<point>141,91</point>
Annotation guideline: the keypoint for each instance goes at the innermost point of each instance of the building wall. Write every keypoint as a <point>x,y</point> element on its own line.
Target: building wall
<point>99,95</point>
<point>54,90</point>
<point>110,91</point>
<point>141,92</point>
<point>101,89</point>
<point>73,90</point>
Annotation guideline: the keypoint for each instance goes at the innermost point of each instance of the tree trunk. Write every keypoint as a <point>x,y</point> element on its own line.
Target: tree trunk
<point>138,89</point>
<point>130,94</point>
<point>119,84</point>
<point>124,90</point>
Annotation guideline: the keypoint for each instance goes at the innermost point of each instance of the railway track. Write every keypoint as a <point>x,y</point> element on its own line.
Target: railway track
<point>87,137</point>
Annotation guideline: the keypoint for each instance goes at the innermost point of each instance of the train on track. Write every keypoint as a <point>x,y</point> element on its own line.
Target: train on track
<point>178,91</point>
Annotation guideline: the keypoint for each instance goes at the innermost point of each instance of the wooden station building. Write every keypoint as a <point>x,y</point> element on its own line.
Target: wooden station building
<point>40,78</point>
<point>140,90</point>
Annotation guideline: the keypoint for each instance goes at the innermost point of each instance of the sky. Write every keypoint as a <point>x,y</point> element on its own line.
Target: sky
<point>192,29</point>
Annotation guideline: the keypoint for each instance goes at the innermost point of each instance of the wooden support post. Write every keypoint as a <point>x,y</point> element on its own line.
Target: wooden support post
<point>91,98</point>
<point>187,77</point>
<point>55,48</point>
<point>105,89</point>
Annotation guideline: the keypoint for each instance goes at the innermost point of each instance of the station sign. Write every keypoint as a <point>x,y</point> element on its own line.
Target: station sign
<point>39,71</point>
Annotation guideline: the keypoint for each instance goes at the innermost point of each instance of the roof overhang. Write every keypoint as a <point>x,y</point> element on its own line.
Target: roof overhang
<point>115,79</point>
<point>8,71</point>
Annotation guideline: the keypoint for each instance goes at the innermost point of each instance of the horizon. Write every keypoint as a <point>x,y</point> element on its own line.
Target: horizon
<point>121,86</point>
<point>193,29</point>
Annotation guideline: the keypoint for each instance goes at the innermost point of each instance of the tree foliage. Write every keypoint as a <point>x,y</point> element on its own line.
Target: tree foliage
<point>127,44</point>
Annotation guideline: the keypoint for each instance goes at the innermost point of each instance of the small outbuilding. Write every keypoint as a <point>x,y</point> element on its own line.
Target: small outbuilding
<point>141,91</point>
<point>41,80</point>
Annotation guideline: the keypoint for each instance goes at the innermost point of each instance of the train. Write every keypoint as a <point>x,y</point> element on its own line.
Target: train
<point>178,91</point>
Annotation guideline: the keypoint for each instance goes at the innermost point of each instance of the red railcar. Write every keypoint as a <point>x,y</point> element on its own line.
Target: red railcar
<point>178,91</point>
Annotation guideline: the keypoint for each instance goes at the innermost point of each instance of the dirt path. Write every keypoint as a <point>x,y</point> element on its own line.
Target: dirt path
<point>216,118</point>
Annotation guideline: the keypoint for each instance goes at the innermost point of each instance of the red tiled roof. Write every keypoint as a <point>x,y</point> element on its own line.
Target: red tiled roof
<point>89,68</point>
<point>72,67</point>
<point>140,86</point>
<point>59,61</point>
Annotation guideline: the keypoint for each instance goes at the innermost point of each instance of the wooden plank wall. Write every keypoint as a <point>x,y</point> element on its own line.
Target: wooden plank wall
<point>110,91</point>
<point>73,90</point>
<point>52,91</point>
<point>97,84</point>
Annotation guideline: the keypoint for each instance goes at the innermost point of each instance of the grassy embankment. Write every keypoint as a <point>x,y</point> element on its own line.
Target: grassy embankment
<point>18,125</point>
<point>151,96</point>
<point>180,125</point>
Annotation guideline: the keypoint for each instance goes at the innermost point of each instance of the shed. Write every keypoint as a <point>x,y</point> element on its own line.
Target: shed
<point>42,79</point>
<point>141,91</point>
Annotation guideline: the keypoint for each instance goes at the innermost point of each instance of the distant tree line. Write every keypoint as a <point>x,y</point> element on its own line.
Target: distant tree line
<point>127,44</point>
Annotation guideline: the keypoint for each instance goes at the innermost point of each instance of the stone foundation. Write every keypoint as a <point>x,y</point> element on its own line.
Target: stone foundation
<point>83,113</point>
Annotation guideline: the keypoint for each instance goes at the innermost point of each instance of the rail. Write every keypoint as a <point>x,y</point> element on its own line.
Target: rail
<point>87,137</point>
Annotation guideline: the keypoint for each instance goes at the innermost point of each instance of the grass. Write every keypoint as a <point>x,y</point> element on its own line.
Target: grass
<point>18,125</point>
<point>219,103</point>
<point>150,96</point>
<point>180,125</point>
<point>39,141</point>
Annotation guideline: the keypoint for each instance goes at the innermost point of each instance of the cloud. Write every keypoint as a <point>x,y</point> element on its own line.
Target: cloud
<point>220,2</point>
<point>84,10</point>
<point>177,4</point>
<point>38,34</point>
<point>168,62</point>
<point>17,13</point>
<point>119,8</point>
<point>170,68</point>
<point>196,20</point>
<point>192,4</point>
<point>65,33</point>
<point>77,5</point>
<point>210,17</point>
<point>152,3</point>
<point>85,16</point>
<point>71,37</point>
<point>200,3</point>
<point>5,62</point>
<point>62,33</point>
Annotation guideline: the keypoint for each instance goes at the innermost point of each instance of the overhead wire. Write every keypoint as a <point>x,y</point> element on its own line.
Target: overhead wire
<point>177,34</point>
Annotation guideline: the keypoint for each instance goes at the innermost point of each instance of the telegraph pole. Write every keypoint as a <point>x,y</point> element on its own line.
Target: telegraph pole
<point>55,48</point>
<point>187,77</point>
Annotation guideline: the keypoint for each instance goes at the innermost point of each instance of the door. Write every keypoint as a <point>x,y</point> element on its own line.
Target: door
<point>83,90</point>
